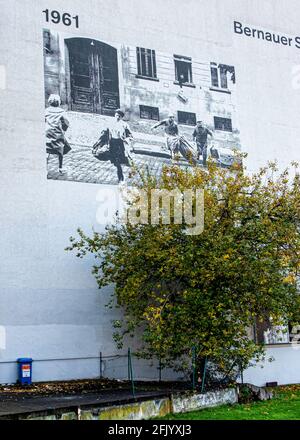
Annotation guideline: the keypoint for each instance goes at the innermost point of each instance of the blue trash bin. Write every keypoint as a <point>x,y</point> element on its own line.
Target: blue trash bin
<point>25,371</point>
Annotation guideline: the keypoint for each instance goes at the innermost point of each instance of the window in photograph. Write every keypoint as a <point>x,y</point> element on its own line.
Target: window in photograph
<point>187,118</point>
<point>223,124</point>
<point>183,70</point>
<point>147,112</point>
<point>220,74</point>
<point>146,63</point>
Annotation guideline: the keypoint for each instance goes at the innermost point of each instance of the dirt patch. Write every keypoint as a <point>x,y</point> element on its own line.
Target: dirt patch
<point>81,387</point>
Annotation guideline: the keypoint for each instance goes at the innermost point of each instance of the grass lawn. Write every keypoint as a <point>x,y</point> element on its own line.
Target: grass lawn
<point>284,406</point>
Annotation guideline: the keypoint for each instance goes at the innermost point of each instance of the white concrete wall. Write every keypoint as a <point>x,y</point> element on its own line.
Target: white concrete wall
<point>284,367</point>
<point>50,306</point>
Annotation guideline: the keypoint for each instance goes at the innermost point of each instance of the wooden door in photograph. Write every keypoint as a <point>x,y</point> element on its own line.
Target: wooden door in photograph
<point>93,76</point>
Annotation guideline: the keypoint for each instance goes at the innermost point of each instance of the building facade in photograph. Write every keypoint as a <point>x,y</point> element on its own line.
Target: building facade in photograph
<point>143,76</point>
<point>94,78</point>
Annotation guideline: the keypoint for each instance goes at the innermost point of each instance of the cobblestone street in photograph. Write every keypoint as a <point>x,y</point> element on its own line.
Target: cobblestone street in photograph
<point>82,166</point>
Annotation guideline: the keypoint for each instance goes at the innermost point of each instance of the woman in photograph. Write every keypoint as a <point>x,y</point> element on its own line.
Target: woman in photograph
<point>118,136</point>
<point>56,126</point>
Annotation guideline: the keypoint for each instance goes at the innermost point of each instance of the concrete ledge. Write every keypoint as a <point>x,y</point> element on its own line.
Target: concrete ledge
<point>142,410</point>
<point>195,401</point>
<point>134,411</point>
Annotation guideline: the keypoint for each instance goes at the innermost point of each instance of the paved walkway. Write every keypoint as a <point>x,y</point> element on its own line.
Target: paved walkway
<point>13,405</point>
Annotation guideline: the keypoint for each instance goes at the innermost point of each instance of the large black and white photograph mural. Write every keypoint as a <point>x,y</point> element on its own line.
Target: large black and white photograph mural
<point>110,105</point>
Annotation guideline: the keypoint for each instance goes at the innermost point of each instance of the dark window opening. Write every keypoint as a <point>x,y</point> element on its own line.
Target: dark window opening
<point>146,62</point>
<point>220,74</point>
<point>214,75</point>
<point>223,124</point>
<point>187,118</point>
<point>183,69</point>
<point>147,112</point>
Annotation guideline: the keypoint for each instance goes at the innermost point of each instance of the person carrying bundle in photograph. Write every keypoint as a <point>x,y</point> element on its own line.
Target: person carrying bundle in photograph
<point>120,143</point>
<point>175,143</point>
<point>200,136</point>
<point>56,126</point>
<point>114,144</point>
<point>171,132</point>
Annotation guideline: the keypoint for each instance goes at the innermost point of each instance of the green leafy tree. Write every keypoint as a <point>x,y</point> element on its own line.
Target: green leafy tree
<point>180,291</point>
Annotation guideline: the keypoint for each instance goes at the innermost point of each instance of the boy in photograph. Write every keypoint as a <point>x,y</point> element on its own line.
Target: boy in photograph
<point>200,136</point>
